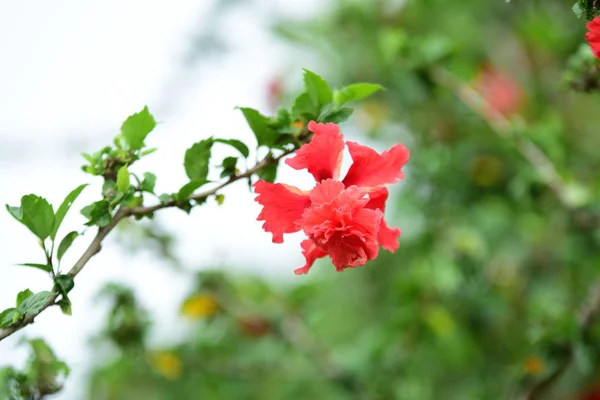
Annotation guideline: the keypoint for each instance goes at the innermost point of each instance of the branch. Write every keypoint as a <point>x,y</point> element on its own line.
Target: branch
<point>126,212</point>
<point>587,317</point>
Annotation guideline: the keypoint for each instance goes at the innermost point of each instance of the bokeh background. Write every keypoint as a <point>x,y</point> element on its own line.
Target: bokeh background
<point>498,210</point>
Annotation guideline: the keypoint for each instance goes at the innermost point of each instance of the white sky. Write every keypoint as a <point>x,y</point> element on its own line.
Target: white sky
<point>71,71</point>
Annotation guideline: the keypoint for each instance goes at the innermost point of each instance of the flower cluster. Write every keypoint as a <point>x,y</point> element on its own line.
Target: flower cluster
<point>341,218</point>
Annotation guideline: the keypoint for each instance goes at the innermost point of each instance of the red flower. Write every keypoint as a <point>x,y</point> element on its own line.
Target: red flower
<point>342,219</point>
<point>502,94</point>
<point>593,36</point>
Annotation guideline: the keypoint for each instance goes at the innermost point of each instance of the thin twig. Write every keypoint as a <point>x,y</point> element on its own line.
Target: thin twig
<point>125,212</point>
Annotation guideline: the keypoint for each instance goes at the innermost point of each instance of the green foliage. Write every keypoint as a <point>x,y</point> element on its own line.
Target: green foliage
<point>63,284</point>
<point>304,107</point>
<point>43,267</point>
<point>335,114</point>
<point>135,129</point>
<point>269,173</point>
<point>41,377</point>
<point>9,317</point>
<point>582,73</point>
<point>197,160</point>
<point>127,322</point>
<point>236,144</point>
<point>64,208</point>
<point>189,188</point>
<point>97,213</point>
<point>228,165</point>
<point>23,295</point>
<point>587,8</point>
<point>265,135</point>
<point>148,183</point>
<point>318,89</point>
<point>65,244</point>
<point>33,303</point>
<point>28,303</point>
<point>36,214</point>
<point>123,179</point>
<point>354,92</point>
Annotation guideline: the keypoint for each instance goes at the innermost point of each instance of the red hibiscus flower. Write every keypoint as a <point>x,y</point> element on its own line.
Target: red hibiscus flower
<point>593,36</point>
<point>341,218</point>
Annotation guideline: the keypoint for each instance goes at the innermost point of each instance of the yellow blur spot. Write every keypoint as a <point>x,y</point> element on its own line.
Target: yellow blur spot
<point>167,364</point>
<point>533,365</point>
<point>199,306</point>
<point>298,125</point>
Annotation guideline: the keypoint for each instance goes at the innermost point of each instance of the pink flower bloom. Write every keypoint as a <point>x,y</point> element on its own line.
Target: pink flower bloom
<point>341,218</point>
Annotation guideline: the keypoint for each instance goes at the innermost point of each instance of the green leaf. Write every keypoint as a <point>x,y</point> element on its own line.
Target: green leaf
<point>265,135</point>
<point>9,317</point>
<point>304,107</point>
<point>148,151</point>
<point>63,284</point>
<point>123,179</point>
<point>16,212</point>
<point>166,197</point>
<point>354,92</point>
<point>338,116</point>
<point>228,165</point>
<point>317,88</point>
<point>34,303</point>
<point>189,188</point>
<point>36,214</point>
<point>578,10</point>
<point>23,295</point>
<point>237,144</point>
<point>284,119</point>
<point>43,267</point>
<point>65,244</point>
<point>220,199</point>
<point>97,213</point>
<point>64,208</point>
<point>65,306</point>
<point>269,173</point>
<point>149,182</point>
<point>197,158</point>
<point>136,127</point>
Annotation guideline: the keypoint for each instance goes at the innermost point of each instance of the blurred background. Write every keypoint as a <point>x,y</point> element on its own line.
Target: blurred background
<point>486,297</point>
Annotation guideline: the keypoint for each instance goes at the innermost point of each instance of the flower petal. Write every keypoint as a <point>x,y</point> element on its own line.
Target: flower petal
<point>325,191</point>
<point>311,252</point>
<point>322,157</point>
<point>283,206</point>
<point>352,252</point>
<point>387,237</point>
<point>372,169</point>
<point>593,36</point>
